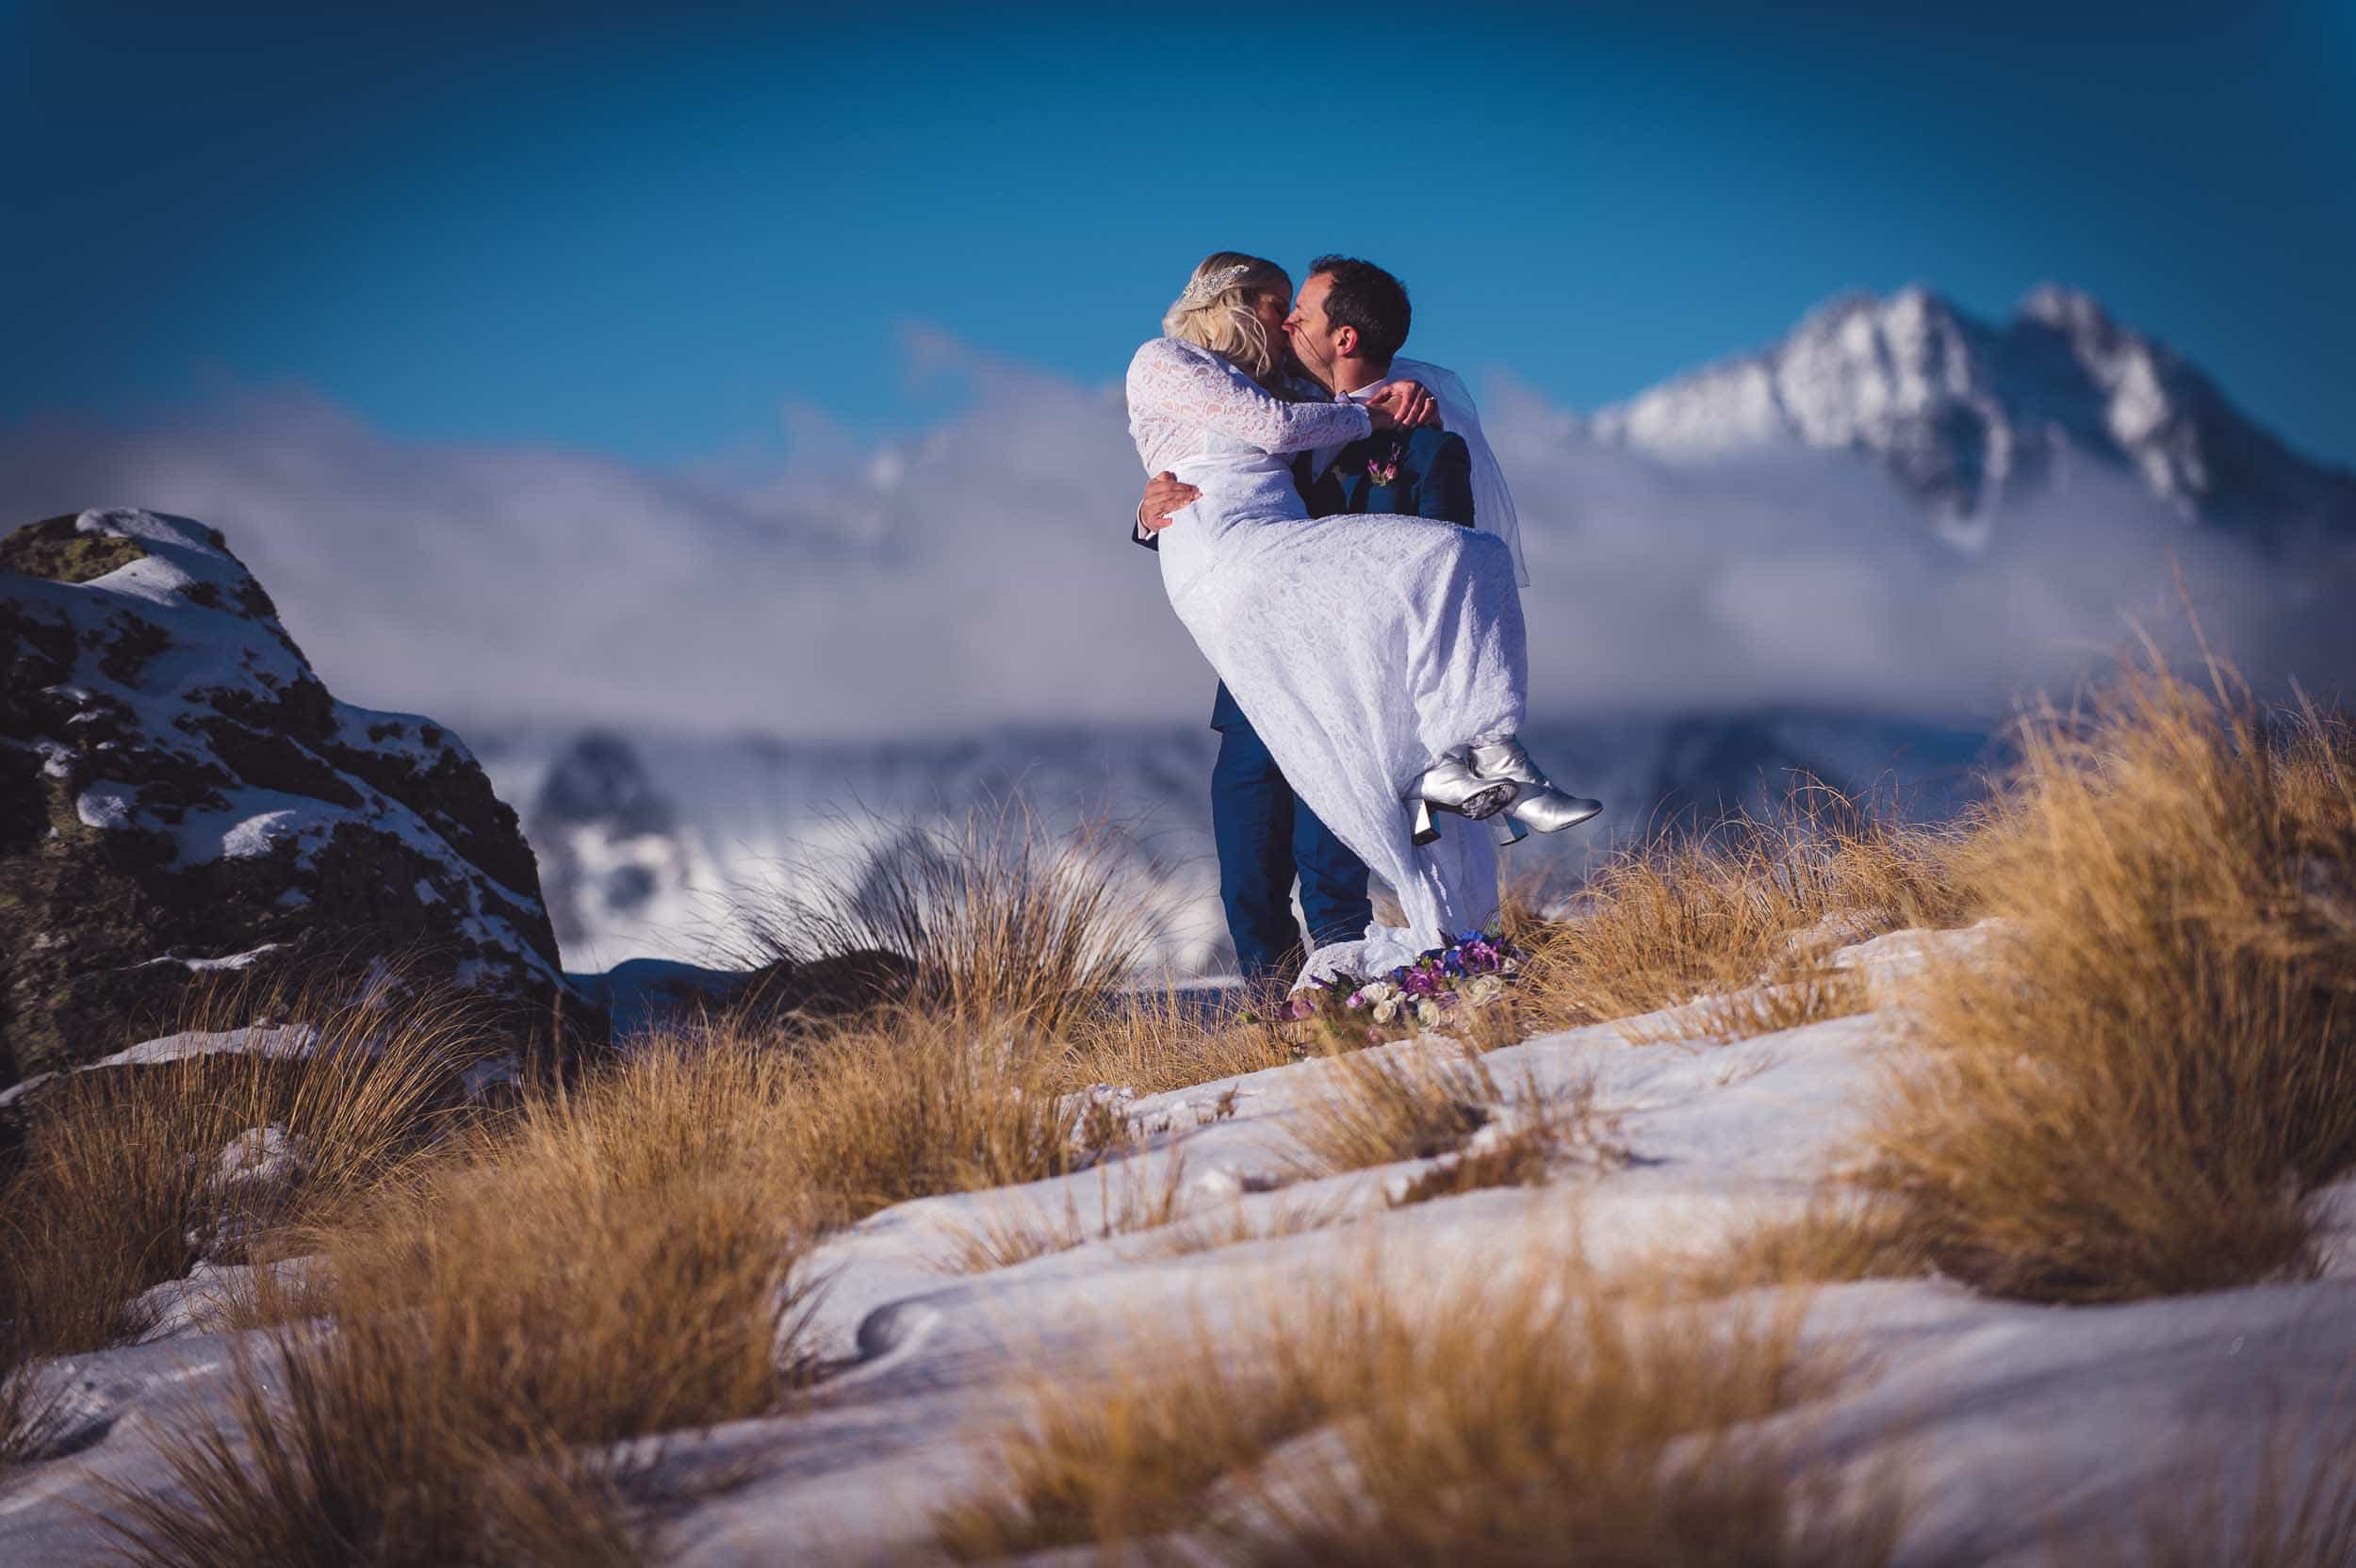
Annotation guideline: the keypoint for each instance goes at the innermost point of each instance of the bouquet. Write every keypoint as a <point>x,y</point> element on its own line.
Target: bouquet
<point>1469,973</point>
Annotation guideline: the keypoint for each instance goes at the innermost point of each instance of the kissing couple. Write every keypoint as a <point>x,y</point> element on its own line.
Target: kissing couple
<point>1337,536</point>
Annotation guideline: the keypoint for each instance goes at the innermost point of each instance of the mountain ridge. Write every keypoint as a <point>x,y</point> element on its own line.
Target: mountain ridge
<point>1969,415</point>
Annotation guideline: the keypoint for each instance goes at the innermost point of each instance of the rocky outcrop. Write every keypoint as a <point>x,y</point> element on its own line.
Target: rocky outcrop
<point>180,796</point>
<point>613,852</point>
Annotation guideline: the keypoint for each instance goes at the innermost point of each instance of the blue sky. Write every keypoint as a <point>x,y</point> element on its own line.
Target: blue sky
<point>650,238</point>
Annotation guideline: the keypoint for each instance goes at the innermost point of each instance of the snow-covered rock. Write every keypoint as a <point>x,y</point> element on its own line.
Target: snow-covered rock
<point>252,1186</point>
<point>180,795</point>
<point>613,850</point>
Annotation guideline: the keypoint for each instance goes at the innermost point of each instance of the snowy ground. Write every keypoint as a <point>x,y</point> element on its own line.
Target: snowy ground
<point>2017,1426</point>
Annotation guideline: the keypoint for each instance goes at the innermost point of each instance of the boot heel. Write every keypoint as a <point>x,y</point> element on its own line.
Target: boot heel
<point>1424,831</point>
<point>1514,831</point>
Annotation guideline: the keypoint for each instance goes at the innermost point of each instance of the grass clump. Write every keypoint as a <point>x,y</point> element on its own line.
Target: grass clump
<point>1127,1457</point>
<point>1750,903</point>
<point>1529,1415</point>
<point>1835,1240</point>
<point>1237,1223</point>
<point>1810,997</point>
<point>617,1258</point>
<point>118,1187</point>
<point>29,1412</point>
<point>1161,1038</point>
<point>995,918</point>
<point>351,1461</point>
<point>909,1104</point>
<point>2132,1088</point>
<point>1497,1420</point>
<point>1127,1201</point>
<point>2297,1509</point>
<point>1401,1103</point>
<point>1547,1129</point>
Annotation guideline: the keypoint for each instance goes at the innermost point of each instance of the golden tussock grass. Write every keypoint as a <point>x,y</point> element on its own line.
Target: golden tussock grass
<point>1127,1456</point>
<point>29,1409</point>
<point>2298,1510</point>
<point>1418,1102</point>
<point>337,1456</point>
<point>1809,998</point>
<point>1239,1222</point>
<point>907,1103</point>
<point>998,917</point>
<point>116,1192</point>
<point>1403,1103</point>
<point>1166,1037</point>
<point>1493,1421</point>
<point>615,1258</point>
<point>1750,903</point>
<point>1125,1199</point>
<point>2131,1089</point>
<point>1550,1128</point>
<point>1835,1240</point>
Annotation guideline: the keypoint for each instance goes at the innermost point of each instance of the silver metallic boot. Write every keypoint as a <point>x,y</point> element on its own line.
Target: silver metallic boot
<point>1449,785</point>
<point>1538,804</point>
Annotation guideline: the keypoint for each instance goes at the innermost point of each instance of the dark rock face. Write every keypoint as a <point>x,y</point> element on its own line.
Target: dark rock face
<point>180,795</point>
<point>609,842</point>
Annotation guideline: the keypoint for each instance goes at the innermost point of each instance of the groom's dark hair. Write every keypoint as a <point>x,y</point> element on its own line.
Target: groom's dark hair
<point>1367,298</point>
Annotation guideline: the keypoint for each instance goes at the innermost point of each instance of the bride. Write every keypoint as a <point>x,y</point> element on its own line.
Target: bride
<point>1381,658</point>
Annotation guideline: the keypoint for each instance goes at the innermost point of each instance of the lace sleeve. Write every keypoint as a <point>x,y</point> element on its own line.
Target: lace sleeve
<point>1193,386</point>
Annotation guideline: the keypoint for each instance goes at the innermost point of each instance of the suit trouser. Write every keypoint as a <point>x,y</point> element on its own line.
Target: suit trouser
<point>1266,837</point>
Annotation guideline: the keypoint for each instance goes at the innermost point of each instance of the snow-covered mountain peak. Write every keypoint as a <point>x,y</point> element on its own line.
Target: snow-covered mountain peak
<point>2060,306</point>
<point>1966,414</point>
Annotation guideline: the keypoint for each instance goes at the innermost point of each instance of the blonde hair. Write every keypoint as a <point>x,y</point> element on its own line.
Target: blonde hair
<point>1215,311</point>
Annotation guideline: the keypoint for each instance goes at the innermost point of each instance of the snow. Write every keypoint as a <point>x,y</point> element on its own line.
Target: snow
<point>283,1039</point>
<point>104,805</point>
<point>2017,1426</point>
<point>1966,413</point>
<point>228,961</point>
<point>265,1039</point>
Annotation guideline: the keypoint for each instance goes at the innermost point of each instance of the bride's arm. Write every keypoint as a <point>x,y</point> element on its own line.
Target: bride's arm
<point>1204,389</point>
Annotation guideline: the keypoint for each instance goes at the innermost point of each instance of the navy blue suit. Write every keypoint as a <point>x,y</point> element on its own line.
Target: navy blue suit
<point>1266,836</point>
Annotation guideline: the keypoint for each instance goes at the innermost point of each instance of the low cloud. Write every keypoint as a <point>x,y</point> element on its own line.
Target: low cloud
<point>982,574</point>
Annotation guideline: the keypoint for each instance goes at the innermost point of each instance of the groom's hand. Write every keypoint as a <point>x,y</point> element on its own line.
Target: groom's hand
<point>1165,493</point>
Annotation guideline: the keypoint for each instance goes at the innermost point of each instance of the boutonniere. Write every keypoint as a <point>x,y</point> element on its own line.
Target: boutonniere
<point>1383,470</point>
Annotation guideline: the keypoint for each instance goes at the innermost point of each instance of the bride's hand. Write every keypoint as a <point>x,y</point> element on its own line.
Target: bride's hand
<point>1402,405</point>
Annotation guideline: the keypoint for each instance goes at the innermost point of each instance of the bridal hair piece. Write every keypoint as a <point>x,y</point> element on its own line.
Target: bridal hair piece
<point>1205,287</point>
<point>1214,310</point>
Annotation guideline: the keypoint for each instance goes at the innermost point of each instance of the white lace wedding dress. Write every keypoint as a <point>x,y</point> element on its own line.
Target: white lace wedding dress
<point>1362,647</point>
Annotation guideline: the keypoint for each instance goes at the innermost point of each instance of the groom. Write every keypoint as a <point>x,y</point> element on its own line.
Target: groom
<point>1349,321</point>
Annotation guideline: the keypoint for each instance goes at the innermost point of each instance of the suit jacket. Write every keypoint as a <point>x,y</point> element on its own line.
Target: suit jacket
<point>1424,472</point>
